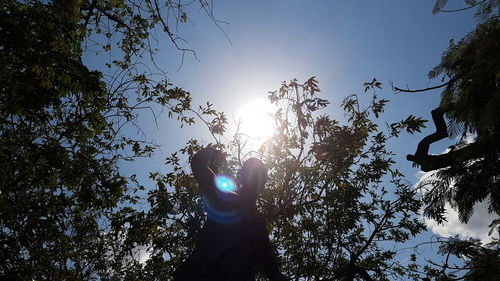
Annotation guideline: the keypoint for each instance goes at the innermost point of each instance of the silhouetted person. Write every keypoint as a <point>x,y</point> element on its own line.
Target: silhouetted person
<point>234,243</point>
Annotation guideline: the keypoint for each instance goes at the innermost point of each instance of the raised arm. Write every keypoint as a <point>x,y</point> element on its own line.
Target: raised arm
<point>203,174</point>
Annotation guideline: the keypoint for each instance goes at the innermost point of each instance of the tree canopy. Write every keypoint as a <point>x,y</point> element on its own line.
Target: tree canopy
<point>60,130</point>
<point>333,200</point>
<point>336,206</point>
<point>468,171</point>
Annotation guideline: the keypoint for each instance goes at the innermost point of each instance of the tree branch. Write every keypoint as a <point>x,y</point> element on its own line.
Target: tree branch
<point>396,89</point>
<point>364,274</point>
<point>482,146</point>
<point>114,18</point>
<point>172,37</point>
<point>462,9</point>
<point>423,145</point>
<point>90,13</point>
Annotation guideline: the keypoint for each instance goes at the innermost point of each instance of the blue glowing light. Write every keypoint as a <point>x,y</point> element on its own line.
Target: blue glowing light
<point>225,184</point>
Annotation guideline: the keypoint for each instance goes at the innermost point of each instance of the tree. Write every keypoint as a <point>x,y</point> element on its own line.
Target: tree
<point>485,8</point>
<point>61,192</point>
<point>480,262</point>
<point>468,172</point>
<point>335,205</point>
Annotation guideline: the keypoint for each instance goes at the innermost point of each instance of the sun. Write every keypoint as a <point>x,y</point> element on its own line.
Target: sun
<point>255,119</point>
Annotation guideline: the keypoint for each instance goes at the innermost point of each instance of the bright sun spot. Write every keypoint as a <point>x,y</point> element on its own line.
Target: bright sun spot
<point>255,119</point>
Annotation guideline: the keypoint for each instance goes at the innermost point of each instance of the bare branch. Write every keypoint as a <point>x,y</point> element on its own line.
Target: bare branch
<point>481,147</point>
<point>462,9</point>
<point>441,133</point>
<point>172,36</point>
<point>397,89</point>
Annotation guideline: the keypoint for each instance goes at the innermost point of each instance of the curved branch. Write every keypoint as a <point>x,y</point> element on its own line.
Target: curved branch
<point>483,146</point>
<point>423,146</point>
<point>471,151</point>
<point>394,88</point>
<point>462,9</point>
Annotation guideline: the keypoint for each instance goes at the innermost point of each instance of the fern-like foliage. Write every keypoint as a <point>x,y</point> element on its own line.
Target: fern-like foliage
<point>462,186</point>
<point>439,6</point>
<point>472,65</point>
<point>481,262</point>
<point>471,101</point>
<point>485,9</point>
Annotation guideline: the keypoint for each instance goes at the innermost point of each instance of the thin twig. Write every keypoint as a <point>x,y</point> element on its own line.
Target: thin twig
<point>396,89</point>
<point>462,9</point>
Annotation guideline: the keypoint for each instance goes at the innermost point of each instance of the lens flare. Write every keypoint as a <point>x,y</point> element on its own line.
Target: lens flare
<point>225,184</point>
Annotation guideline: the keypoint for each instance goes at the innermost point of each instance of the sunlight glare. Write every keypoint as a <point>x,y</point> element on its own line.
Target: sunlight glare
<point>255,119</point>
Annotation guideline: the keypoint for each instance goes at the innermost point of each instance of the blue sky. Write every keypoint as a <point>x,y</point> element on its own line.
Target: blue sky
<point>342,43</point>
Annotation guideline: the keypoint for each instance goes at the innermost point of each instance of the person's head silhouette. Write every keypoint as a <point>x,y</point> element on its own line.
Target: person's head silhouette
<point>252,178</point>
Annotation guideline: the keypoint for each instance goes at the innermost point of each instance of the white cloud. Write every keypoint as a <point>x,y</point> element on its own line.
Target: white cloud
<point>476,228</point>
